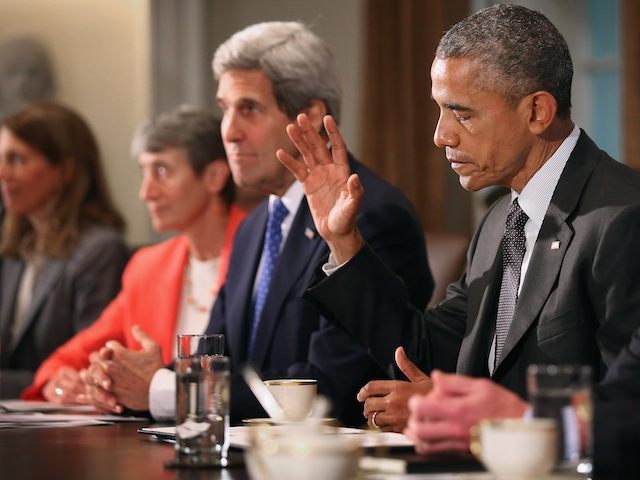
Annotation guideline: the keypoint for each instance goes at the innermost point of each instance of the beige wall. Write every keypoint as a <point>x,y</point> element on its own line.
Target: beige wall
<point>101,55</point>
<point>101,52</point>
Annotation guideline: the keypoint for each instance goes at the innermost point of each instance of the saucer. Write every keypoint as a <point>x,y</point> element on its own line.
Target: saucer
<point>271,421</point>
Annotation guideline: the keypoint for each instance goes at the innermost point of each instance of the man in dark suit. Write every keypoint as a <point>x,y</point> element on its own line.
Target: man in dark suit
<point>552,270</point>
<point>267,74</point>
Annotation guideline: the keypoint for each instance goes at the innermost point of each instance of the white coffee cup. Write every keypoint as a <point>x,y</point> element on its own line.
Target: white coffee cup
<point>302,451</point>
<point>295,396</point>
<point>522,448</point>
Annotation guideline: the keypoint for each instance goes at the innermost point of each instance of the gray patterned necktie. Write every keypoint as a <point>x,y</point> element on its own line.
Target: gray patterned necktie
<point>513,248</point>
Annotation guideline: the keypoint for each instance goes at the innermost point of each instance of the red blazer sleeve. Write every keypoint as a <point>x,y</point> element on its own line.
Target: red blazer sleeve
<point>150,296</point>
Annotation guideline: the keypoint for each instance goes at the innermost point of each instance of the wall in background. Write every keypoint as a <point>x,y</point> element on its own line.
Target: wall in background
<point>118,62</point>
<point>592,29</point>
<point>100,51</point>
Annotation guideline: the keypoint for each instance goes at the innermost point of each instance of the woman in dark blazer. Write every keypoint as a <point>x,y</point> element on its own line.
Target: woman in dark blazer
<point>62,251</point>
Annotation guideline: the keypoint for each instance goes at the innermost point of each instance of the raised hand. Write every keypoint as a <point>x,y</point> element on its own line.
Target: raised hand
<point>333,194</point>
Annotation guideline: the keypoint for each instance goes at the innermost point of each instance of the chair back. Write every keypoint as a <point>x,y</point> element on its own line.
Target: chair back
<point>447,258</point>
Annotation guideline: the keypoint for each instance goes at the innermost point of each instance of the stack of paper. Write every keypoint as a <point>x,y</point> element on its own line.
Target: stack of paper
<point>17,413</point>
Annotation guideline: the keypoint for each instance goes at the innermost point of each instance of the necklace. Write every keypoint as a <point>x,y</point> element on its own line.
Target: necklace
<point>190,297</point>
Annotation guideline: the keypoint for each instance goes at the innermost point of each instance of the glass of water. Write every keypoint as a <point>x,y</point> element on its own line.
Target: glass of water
<point>563,393</point>
<point>202,401</point>
<point>192,345</point>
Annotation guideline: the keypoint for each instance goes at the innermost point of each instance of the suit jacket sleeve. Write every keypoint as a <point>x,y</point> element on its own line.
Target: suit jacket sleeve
<point>379,315</point>
<point>616,434</point>
<point>614,288</point>
<point>622,380</point>
<point>340,364</point>
<point>616,421</point>
<point>396,237</point>
<point>373,305</point>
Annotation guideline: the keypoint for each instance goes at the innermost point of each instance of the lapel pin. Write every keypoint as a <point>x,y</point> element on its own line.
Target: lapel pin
<point>555,245</point>
<point>309,233</point>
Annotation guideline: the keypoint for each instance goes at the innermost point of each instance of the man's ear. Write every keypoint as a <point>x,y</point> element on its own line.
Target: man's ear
<point>543,108</point>
<point>316,111</point>
<point>216,174</point>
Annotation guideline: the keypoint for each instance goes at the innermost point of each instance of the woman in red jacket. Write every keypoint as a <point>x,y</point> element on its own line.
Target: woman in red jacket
<point>167,288</point>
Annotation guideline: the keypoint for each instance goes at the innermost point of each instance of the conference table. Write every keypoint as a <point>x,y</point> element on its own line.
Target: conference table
<point>94,452</point>
<point>118,452</point>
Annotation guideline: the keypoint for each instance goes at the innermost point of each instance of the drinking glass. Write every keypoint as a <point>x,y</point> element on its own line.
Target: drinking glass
<point>202,401</point>
<point>190,345</point>
<point>563,393</point>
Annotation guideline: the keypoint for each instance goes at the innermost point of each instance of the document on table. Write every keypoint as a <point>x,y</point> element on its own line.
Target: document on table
<point>22,406</point>
<point>18,413</point>
<point>239,436</point>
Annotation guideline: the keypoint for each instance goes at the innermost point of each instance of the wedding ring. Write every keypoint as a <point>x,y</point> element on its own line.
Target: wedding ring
<point>373,420</point>
<point>59,391</point>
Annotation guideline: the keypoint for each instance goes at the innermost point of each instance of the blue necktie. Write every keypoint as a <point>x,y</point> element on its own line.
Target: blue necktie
<point>513,248</point>
<point>270,253</point>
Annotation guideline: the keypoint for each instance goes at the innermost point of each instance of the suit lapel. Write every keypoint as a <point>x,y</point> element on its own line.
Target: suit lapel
<point>239,302</point>
<point>11,271</point>
<point>297,253</point>
<point>47,277</point>
<point>484,277</point>
<point>552,243</point>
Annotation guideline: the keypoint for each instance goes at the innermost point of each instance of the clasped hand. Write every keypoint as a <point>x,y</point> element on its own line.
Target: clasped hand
<point>441,421</point>
<point>118,377</point>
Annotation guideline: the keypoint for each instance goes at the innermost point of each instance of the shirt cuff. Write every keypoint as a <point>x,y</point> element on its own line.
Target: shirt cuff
<point>331,266</point>
<point>162,395</point>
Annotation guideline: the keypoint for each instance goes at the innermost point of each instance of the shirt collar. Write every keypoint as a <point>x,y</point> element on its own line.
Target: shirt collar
<point>291,199</point>
<point>537,193</point>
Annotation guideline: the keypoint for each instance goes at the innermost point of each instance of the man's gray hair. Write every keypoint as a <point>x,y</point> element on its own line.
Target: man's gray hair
<point>519,51</point>
<point>299,64</point>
